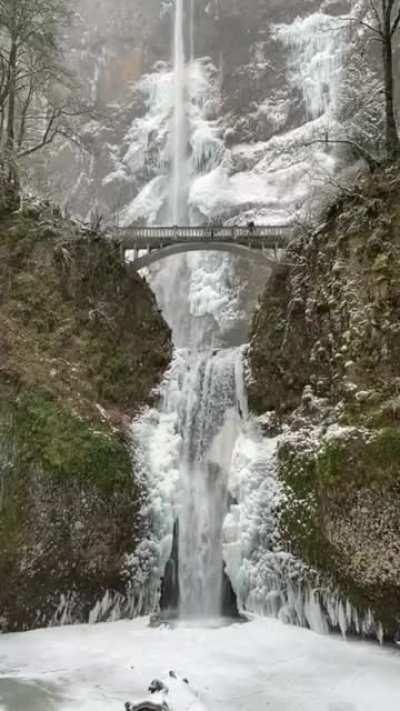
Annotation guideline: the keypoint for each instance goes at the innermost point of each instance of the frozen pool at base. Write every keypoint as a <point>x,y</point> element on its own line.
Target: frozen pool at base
<point>241,667</point>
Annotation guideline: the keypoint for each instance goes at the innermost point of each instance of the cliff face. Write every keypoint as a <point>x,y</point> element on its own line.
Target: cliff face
<point>252,84</point>
<point>324,358</point>
<point>82,347</point>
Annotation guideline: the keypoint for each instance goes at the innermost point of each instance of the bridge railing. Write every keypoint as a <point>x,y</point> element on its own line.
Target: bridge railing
<point>204,232</point>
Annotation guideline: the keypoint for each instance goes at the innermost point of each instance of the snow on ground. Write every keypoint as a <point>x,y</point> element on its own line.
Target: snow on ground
<point>240,667</point>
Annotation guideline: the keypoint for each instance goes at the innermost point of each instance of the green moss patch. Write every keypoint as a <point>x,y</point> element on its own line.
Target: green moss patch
<point>299,517</point>
<point>360,462</point>
<point>64,446</point>
<point>69,513</point>
<point>357,474</point>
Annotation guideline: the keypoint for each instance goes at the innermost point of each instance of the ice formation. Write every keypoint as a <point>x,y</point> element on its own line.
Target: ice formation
<point>273,180</point>
<point>317,46</point>
<point>267,579</point>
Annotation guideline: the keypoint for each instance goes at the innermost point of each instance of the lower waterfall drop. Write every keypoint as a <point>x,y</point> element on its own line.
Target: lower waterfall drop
<point>206,395</point>
<point>210,425</point>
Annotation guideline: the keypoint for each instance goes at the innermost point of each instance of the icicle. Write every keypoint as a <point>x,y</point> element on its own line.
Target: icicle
<point>317,45</point>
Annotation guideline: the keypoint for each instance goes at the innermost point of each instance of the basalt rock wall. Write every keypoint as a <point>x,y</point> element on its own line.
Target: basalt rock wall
<point>82,348</point>
<point>324,360</point>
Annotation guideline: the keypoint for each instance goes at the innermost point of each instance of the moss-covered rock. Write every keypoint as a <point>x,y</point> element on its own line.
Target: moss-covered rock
<point>69,515</point>
<point>329,324</point>
<point>76,320</point>
<point>82,348</point>
<point>330,317</point>
<point>299,516</point>
<point>340,514</point>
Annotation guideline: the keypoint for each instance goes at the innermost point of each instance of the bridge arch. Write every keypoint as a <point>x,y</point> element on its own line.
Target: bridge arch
<point>233,248</point>
<point>266,242</point>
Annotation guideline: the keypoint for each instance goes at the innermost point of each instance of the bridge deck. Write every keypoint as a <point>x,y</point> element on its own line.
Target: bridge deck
<point>273,236</point>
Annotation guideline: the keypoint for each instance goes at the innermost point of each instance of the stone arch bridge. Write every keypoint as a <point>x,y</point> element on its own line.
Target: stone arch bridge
<point>150,244</point>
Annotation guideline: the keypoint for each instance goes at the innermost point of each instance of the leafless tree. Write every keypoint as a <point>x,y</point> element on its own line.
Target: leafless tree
<point>39,98</point>
<point>366,124</point>
<point>382,21</point>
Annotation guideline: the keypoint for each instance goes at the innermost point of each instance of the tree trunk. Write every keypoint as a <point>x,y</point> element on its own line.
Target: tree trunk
<point>12,81</point>
<point>22,118</point>
<point>392,136</point>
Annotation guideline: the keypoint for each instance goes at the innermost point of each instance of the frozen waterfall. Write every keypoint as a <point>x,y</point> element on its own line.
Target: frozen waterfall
<point>210,406</point>
<point>213,492</point>
<point>185,449</point>
<point>210,421</point>
<point>317,46</point>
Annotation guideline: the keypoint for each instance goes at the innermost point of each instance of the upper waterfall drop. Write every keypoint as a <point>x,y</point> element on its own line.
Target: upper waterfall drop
<point>192,47</point>
<point>179,131</point>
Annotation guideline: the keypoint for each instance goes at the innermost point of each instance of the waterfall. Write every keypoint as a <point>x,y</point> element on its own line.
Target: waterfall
<point>208,418</point>
<point>185,449</point>
<point>192,47</point>
<point>179,121</point>
<point>210,473</point>
<point>210,421</point>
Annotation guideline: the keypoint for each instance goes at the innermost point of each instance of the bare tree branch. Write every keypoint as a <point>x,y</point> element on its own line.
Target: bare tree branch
<point>396,23</point>
<point>375,12</point>
<point>48,137</point>
<point>367,25</point>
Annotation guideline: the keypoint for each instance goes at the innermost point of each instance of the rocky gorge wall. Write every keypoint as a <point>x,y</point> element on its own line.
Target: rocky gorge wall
<point>82,348</point>
<point>324,364</point>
